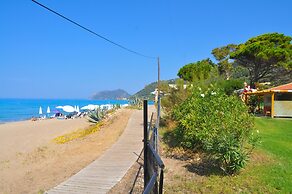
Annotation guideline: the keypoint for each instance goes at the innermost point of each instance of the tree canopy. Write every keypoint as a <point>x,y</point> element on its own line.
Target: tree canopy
<point>221,54</point>
<point>196,71</point>
<point>267,57</point>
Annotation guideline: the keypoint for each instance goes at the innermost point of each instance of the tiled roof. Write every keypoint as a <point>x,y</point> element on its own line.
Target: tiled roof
<point>283,87</point>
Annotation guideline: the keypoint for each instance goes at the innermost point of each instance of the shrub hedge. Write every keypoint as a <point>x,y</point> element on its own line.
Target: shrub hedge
<point>218,124</point>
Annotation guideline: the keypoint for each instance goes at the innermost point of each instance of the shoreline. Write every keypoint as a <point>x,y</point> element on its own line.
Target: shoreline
<point>37,119</point>
<point>12,110</point>
<point>13,121</point>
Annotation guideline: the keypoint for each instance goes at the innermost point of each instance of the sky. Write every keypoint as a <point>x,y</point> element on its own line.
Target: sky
<point>45,56</point>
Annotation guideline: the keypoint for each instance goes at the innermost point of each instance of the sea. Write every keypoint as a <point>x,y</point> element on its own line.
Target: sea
<point>24,109</point>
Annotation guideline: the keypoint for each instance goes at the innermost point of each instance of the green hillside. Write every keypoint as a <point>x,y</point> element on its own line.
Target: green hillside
<point>146,91</point>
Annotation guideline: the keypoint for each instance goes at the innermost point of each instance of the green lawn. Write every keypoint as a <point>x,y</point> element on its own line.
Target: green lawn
<point>269,169</point>
<point>277,142</point>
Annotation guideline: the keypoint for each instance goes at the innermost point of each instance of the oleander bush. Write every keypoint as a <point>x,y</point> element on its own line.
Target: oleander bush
<point>218,124</point>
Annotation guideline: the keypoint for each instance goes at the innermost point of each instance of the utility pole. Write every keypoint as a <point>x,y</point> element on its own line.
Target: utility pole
<point>158,77</point>
<point>158,91</point>
<point>158,106</point>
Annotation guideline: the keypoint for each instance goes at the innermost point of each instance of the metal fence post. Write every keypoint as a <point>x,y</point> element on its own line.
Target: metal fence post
<point>145,108</point>
<point>161,182</point>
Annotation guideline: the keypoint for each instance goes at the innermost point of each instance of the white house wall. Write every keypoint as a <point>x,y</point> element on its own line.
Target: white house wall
<point>283,109</point>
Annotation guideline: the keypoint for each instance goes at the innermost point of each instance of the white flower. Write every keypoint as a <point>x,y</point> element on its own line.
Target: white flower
<point>258,131</point>
<point>213,93</point>
<point>203,95</point>
<point>200,88</point>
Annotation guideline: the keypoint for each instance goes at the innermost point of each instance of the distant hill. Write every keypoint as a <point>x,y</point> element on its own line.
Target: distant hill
<point>111,94</point>
<point>146,91</point>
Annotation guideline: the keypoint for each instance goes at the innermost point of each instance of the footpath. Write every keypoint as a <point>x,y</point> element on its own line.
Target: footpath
<point>106,171</point>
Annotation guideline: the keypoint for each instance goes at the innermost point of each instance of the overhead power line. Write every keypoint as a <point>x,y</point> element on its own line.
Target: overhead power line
<point>92,32</point>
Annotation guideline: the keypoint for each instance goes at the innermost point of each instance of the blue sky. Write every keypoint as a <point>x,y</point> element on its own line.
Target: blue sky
<point>44,56</point>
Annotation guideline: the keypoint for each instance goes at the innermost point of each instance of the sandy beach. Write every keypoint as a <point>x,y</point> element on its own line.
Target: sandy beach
<point>31,162</point>
<point>24,136</point>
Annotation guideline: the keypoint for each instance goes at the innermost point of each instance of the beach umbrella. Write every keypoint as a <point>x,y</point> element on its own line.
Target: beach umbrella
<point>89,107</point>
<point>92,107</point>
<point>68,108</point>
<point>40,110</point>
<point>48,110</point>
<point>78,110</point>
<point>84,108</point>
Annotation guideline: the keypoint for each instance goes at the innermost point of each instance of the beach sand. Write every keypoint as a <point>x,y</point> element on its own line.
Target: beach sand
<point>30,162</point>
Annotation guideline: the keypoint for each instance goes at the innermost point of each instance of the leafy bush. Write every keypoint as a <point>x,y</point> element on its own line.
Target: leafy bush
<point>174,96</point>
<point>252,103</point>
<point>218,124</point>
<point>229,86</point>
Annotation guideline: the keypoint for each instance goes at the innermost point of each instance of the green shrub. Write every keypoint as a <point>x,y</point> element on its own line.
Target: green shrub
<point>229,86</point>
<point>218,124</point>
<point>174,96</point>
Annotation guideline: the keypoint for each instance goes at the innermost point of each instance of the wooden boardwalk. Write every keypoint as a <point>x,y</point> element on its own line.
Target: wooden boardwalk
<point>102,174</point>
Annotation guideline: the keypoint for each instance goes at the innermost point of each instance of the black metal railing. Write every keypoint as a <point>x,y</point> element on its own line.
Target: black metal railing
<point>153,165</point>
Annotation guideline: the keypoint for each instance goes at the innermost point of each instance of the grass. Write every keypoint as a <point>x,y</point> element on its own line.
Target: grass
<point>277,143</point>
<point>269,169</point>
<point>77,134</point>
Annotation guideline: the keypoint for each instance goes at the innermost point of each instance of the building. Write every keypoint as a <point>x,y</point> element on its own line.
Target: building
<point>277,101</point>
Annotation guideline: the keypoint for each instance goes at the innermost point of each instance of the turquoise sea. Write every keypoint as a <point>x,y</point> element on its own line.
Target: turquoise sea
<point>23,109</point>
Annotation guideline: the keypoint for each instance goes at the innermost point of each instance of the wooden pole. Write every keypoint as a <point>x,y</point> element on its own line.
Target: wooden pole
<point>158,106</point>
<point>273,105</point>
<point>158,92</point>
<point>158,76</point>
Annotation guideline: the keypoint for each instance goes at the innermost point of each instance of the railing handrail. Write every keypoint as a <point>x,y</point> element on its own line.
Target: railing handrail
<point>156,156</point>
<point>150,123</point>
<point>152,160</point>
<point>152,134</point>
<point>151,183</point>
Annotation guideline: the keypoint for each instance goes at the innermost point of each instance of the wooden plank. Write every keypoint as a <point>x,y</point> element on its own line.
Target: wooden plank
<point>102,174</point>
